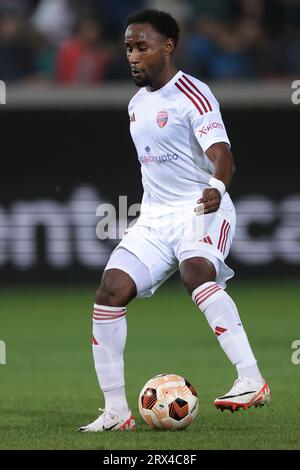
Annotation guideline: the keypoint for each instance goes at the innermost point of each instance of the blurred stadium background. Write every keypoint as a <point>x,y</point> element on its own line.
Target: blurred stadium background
<point>66,148</point>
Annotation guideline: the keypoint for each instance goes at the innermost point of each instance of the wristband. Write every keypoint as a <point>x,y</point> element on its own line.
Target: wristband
<point>217,184</point>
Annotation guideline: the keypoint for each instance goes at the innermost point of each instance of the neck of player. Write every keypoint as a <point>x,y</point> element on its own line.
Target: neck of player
<point>163,78</point>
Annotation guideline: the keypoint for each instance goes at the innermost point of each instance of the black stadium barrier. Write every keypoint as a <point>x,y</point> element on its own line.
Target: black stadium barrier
<point>59,165</point>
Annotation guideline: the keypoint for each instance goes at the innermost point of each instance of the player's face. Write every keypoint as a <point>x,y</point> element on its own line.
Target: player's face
<point>145,53</point>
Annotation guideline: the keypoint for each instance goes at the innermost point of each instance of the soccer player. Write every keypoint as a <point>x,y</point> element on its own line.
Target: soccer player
<point>187,219</point>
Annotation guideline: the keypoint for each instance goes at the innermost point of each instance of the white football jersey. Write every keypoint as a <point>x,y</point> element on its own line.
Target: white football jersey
<point>172,128</point>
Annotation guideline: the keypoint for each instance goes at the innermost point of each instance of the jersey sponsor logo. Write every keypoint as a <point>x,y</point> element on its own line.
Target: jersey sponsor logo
<point>162,118</point>
<point>160,159</point>
<point>132,117</point>
<point>205,129</point>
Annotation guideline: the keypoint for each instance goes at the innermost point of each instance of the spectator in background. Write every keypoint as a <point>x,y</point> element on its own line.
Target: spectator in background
<point>44,57</point>
<point>117,69</point>
<point>55,19</point>
<point>177,8</point>
<point>264,54</point>
<point>83,59</point>
<point>111,13</point>
<point>220,10</point>
<point>17,7</point>
<point>16,52</point>
<point>214,50</point>
<point>200,46</point>
<point>228,39</point>
<point>231,60</point>
<point>290,27</point>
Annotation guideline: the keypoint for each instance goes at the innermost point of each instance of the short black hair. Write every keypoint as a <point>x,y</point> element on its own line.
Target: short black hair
<point>163,22</point>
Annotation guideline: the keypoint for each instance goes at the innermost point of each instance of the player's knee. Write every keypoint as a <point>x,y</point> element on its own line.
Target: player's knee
<point>196,271</point>
<point>116,289</point>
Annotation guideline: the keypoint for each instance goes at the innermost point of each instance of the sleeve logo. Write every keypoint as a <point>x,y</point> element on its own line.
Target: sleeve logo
<point>205,129</point>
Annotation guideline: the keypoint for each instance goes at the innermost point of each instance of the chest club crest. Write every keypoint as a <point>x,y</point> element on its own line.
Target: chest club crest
<point>162,118</point>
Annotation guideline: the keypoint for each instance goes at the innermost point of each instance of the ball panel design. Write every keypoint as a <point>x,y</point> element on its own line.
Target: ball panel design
<point>168,401</point>
<point>168,424</point>
<point>169,392</point>
<point>161,411</point>
<point>149,398</point>
<point>178,409</point>
<point>190,387</point>
<point>148,419</point>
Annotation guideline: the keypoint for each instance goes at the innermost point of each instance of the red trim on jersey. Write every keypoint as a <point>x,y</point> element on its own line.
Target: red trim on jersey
<point>194,86</point>
<point>189,97</point>
<point>185,85</point>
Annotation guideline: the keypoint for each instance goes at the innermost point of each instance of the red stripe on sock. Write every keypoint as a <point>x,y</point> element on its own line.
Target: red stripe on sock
<point>109,311</point>
<point>205,291</point>
<point>217,288</point>
<point>98,316</point>
<point>99,312</point>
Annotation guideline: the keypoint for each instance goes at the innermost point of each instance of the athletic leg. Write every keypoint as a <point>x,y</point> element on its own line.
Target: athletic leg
<point>198,275</point>
<point>117,289</point>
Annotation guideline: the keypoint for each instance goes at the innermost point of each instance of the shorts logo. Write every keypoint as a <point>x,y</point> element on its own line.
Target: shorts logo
<point>206,239</point>
<point>162,118</point>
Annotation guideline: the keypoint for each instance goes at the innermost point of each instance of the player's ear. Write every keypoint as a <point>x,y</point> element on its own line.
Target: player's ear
<point>169,46</point>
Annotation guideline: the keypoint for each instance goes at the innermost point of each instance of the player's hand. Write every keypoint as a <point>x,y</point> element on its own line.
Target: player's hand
<point>210,201</point>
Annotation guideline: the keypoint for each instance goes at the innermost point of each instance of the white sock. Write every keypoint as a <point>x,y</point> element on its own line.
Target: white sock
<point>223,317</point>
<point>109,338</point>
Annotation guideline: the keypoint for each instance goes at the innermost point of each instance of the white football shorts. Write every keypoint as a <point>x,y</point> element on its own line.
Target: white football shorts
<point>162,242</point>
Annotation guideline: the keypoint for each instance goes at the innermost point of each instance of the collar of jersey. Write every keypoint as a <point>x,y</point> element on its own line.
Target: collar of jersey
<point>163,88</point>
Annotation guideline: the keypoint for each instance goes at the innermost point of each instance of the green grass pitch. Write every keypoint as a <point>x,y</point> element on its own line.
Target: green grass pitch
<point>48,387</point>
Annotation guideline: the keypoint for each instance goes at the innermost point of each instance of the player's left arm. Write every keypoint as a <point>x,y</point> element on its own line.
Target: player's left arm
<point>206,121</point>
<point>222,158</point>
